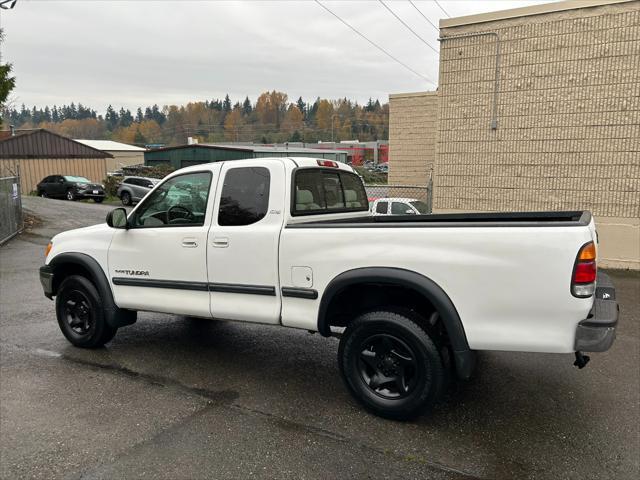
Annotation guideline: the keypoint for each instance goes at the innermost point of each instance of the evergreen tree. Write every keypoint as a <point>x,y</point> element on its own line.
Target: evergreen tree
<point>296,137</point>
<point>7,83</point>
<point>139,137</point>
<point>226,105</point>
<point>126,118</point>
<point>111,118</point>
<point>369,107</point>
<point>302,106</point>
<point>246,107</point>
<point>54,114</point>
<point>157,115</point>
<point>139,115</point>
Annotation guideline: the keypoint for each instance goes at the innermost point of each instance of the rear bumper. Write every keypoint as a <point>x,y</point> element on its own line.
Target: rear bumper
<point>46,279</point>
<point>598,331</point>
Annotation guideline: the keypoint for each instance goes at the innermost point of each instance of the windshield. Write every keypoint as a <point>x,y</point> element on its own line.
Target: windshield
<point>70,178</point>
<point>420,206</point>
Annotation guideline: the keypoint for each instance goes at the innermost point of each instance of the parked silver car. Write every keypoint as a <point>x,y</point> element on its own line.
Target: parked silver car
<point>133,189</point>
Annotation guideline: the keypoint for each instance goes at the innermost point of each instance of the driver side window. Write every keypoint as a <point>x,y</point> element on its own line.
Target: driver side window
<point>179,202</point>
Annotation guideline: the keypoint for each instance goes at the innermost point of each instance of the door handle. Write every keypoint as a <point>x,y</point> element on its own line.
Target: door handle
<point>220,242</point>
<point>189,242</point>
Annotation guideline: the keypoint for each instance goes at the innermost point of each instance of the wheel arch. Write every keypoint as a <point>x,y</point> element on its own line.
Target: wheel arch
<point>421,285</point>
<point>75,263</point>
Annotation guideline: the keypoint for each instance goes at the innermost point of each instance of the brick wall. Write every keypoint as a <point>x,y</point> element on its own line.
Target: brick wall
<point>568,114</point>
<point>413,128</point>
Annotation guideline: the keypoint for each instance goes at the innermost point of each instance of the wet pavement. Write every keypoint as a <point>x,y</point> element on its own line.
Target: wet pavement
<point>172,397</point>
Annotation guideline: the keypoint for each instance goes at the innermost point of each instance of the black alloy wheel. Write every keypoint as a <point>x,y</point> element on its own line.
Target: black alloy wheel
<point>80,313</point>
<point>388,366</point>
<point>77,312</point>
<point>391,365</point>
<point>126,199</point>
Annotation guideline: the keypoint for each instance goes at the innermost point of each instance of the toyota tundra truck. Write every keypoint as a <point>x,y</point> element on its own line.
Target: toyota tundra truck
<point>291,242</point>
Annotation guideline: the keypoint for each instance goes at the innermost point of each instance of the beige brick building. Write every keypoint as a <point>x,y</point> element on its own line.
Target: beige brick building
<point>538,109</point>
<point>413,134</point>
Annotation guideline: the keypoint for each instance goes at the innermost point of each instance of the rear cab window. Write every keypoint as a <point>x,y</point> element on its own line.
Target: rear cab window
<point>382,207</point>
<point>400,208</point>
<point>323,190</point>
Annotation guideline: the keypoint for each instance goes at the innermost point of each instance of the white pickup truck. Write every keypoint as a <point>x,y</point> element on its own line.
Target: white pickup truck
<point>291,242</point>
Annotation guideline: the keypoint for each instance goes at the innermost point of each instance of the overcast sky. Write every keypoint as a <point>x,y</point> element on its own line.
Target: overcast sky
<point>131,53</point>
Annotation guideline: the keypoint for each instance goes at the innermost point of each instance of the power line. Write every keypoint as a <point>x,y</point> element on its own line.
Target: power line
<point>376,45</point>
<point>408,27</point>
<point>445,12</point>
<point>424,16</point>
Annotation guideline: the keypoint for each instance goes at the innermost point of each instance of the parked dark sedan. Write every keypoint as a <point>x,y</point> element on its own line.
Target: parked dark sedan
<point>71,188</point>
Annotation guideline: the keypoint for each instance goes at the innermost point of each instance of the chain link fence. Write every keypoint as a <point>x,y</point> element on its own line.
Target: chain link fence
<point>11,221</point>
<point>400,199</point>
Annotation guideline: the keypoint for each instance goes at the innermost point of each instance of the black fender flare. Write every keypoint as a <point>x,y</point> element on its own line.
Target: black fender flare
<point>116,317</point>
<point>463,356</point>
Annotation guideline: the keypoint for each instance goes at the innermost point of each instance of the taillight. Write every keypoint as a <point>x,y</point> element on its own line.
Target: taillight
<point>583,281</point>
<point>327,163</point>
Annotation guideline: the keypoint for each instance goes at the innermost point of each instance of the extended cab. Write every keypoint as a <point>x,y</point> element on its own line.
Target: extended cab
<point>291,242</point>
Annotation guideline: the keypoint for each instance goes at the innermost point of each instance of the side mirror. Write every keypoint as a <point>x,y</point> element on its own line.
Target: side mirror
<point>410,212</point>
<point>61,180</point>
<point>117,218</point>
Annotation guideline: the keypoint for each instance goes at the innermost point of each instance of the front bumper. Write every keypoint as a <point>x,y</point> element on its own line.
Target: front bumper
<point>46,279</point>
<point>90,194</point>
<point>598,331</point>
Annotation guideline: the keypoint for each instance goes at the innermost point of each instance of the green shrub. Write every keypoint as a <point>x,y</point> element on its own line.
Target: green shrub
<point>111,185</point>
<point>159,171</point>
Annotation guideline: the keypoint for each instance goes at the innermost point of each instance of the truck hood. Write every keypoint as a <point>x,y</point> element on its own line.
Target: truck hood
<point>93,229</point>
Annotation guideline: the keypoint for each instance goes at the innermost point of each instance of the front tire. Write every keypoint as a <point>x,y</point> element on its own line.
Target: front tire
<point>70,195</point>
<point>126,199</point>
<point>80,313</point>
<point>391,365</point>
<point>98,200</point>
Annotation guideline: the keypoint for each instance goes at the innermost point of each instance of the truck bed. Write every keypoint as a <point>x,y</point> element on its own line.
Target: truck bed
<point>508,219</point>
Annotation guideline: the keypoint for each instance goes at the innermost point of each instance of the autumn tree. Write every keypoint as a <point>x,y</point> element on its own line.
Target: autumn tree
<point>270,108</point>
<point>293,120</point>
<point>232,124</point>
<point>324,114</point>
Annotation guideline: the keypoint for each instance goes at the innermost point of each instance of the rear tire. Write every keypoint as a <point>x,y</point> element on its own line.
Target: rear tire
<point>126,199</point>
<point>42,194</point>
<point>80,313</point>
<point>98,200</point>
<point>391,365</point>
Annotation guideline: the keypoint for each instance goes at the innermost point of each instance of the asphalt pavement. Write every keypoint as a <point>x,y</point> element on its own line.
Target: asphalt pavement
<point>172,397</point>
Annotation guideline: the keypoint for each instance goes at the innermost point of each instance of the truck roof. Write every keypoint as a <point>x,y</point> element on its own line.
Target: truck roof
<point>293,162</point>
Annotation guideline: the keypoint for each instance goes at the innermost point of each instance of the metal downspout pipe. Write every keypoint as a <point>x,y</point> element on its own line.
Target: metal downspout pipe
<point>494,109</point>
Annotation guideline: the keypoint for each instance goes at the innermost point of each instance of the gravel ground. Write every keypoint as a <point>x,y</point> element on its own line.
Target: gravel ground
<point>177,398</point>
